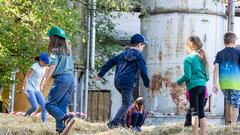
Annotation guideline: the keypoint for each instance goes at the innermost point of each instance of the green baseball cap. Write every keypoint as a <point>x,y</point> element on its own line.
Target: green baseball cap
<point>55,30</point>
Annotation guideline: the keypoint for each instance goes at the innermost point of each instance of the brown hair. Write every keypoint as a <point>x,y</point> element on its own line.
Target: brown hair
<point>136,44</point>
<point>37,58</point>
<point>194,43</point>
<point>139,103</point>
<point>229,38</point>
<point>59,44</point>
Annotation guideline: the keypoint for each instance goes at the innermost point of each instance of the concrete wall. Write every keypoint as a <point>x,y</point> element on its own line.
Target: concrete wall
<point>126,24</point>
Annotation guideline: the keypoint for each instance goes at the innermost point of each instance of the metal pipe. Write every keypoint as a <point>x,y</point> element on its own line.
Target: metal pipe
<point>93,33</point>
<point>75,91</point>
<point>12,90</point>
<point>166,11</point>
<point>87,61</point>
<point>81,93</point>
<point>231,14</point>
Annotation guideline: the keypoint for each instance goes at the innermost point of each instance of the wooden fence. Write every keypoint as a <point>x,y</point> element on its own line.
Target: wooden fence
<point>99,105</point>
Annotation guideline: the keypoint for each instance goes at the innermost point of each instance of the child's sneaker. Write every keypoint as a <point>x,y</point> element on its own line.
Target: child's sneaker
<point>139,129</point>
<point>188,121</point>
<point>111,125</point>
<point>135,130</point>
<point>68,120</point>
<point>59,131</point>
<point>122,123</point>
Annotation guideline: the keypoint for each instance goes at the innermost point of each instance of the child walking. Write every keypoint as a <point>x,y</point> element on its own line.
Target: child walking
<point>61,70</point>
<point>188,121</point>
<point>195,76</point>
<point>227,69</point>
<point>127,65</point>
<point>136,115</point>
<point>32,85</point>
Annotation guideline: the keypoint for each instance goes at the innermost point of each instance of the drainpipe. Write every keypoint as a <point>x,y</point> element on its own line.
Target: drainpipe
<point>81,92</point>
<point>93,33</point>
<point>12,90</point>
<point>231,14</point>
<point>75,91</point>
<point>88,59</point>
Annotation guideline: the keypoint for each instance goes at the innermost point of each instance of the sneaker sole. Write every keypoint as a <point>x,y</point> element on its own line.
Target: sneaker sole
<point>109,126</point>
<point>68,127</point>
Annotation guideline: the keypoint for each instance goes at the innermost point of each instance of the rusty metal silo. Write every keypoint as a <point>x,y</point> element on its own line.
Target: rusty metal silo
<point>166,25</point>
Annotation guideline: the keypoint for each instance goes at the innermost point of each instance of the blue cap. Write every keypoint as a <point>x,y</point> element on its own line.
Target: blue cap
<point>44,57</point>
<point>138,38</point>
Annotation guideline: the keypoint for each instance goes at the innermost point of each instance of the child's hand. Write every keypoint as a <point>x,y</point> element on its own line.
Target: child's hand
<point>26,93</point>
<point>97,77</point>
<point>43,85</point>
<point>215,88</point>
<point>176,84</point>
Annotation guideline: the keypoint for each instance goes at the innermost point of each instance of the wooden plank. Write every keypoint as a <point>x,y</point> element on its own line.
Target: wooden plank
<point>95,106</point>
<point>107,106</point>
<point>101,106</point>
<point>89,105</point>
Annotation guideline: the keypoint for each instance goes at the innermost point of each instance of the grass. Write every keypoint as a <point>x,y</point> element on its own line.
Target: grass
<point>19,125</point>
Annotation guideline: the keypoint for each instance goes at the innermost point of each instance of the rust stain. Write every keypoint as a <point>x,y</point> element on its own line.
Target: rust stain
<point>160,56</point>
<point>177,92</point>
<point>156,82</point>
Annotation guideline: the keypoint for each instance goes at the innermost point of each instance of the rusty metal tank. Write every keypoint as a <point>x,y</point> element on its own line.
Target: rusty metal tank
<point>167,25</point>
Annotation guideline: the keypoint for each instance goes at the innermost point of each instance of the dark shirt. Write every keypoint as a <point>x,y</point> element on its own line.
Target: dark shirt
<point>229,68</point>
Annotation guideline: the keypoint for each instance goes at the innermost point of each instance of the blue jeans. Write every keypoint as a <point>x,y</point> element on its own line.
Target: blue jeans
<point>35,98</point>
<point>137,119</point>
<point>59,98</point>
<point>127,100</point>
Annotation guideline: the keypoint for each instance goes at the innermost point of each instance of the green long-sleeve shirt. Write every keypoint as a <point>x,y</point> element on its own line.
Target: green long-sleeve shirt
<point>194,72</point>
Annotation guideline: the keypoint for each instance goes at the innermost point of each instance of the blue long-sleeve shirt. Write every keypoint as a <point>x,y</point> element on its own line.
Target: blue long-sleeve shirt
<point>128,63</point>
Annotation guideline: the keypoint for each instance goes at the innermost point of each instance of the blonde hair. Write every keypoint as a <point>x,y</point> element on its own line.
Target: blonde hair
<point>194,44</point>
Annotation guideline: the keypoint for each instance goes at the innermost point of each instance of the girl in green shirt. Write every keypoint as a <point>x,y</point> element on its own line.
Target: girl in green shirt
<point>195,76</point>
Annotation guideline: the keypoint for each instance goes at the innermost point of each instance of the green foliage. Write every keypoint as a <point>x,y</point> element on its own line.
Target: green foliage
<point>24,25</point>
<point>117,5</point>
<point>105,41</point>
<point>23,30</point>
<point>105,45</point>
